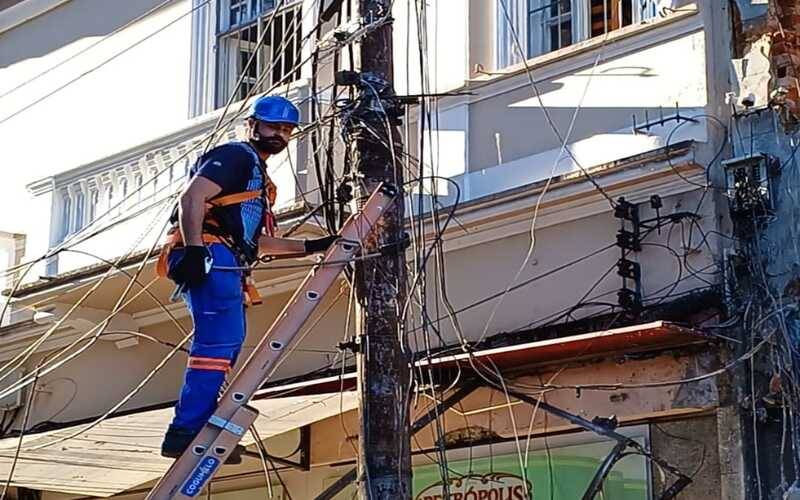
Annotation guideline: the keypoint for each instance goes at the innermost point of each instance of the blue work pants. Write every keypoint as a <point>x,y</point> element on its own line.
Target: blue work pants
<point>218,315</point>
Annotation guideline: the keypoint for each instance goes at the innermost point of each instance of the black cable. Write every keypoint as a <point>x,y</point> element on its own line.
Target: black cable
<point>688,440</point>
<point>545,110</point>
<point>28,406</point>
<point>716,156</point>
<point>535,278</point>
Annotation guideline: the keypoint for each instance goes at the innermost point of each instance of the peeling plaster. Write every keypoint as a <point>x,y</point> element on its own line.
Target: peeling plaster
<point>767,38</point>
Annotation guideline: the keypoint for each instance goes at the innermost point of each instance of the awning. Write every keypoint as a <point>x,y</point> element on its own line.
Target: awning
<point>645,337</point>
<point>123,452</point>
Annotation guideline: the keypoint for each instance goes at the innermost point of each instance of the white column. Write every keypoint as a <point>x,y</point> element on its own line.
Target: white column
<point>70,209</point>
<point>203,57</point>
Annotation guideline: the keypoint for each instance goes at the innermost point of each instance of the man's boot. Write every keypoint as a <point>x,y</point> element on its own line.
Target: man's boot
<point>177,440</point>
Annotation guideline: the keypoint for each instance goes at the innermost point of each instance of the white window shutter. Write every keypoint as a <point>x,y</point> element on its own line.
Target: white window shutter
<point>511,13</point>
<point>580,20</point>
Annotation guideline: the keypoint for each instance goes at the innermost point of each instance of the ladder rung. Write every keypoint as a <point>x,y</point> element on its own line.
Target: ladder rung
<point>227,425</point>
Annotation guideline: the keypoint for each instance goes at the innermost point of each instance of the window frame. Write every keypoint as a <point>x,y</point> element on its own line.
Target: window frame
<point>537,44</point>
<point>232,53</point>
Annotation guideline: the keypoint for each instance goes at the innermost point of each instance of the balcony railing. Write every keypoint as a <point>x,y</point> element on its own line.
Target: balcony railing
<point>123,201</point>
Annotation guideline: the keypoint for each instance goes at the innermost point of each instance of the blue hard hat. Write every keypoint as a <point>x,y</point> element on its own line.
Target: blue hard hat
<point>275,109</point>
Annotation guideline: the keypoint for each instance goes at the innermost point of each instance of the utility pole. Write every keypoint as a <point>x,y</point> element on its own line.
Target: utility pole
<point>384,470</point>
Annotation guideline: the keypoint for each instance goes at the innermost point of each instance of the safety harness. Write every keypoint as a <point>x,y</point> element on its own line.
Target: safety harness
<point>213,232</point>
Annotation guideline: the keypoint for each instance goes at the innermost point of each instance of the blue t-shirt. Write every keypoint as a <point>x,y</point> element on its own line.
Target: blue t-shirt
<point>235,167</point>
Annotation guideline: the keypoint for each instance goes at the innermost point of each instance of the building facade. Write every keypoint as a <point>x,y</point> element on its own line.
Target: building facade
<point>603,269</point>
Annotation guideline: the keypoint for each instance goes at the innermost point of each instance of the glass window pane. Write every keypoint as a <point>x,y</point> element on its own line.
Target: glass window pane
<point>627,12</point>
<point>557,473</point>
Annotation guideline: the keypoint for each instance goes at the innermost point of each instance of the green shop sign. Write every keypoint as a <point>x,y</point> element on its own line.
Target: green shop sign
<point>567,473</point>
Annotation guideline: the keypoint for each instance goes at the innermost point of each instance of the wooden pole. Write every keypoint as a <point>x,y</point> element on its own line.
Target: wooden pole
<point>384,470</point>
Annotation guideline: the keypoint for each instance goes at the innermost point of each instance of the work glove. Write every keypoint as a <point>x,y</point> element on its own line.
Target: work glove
<point>319,244</point>
<point>193,266</point>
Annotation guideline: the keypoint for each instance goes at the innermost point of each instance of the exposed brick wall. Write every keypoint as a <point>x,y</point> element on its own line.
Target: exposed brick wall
<point>784,24</point>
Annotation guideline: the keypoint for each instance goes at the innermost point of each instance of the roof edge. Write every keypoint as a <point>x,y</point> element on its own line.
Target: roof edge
<point>23,12</point>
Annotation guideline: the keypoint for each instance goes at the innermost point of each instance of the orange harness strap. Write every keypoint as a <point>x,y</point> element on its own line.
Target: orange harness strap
<point>251,295</point>
<point>232,199</point>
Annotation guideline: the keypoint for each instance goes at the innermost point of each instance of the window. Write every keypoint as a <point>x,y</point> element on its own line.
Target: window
<point>567,464</point>
<point>242,23</point>
<point>542,26</point>
<point>549,25</point>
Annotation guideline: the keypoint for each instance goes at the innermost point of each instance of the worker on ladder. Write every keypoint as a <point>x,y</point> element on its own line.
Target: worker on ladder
<point>224,222</point>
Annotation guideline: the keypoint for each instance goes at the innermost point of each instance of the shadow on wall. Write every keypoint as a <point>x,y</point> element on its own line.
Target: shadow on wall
<point>66,24</point>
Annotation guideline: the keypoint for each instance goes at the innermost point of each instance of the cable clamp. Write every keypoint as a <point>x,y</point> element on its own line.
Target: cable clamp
<point>396,247</point>
<point>353,344</point>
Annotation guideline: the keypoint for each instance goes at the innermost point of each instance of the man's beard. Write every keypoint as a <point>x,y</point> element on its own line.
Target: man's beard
<point>269,145</point>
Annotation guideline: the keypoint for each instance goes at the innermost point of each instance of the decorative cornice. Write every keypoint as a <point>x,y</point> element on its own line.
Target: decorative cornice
<point>501,215</point>
<point>507,214</point>
<point>42,186</point>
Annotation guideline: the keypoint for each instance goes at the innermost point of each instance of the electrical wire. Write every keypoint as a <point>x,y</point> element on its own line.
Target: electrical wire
<point>418,281</point>
<point>85,49</point>
<point>545,112</point>
<point>564,147</point>
<point>17,386</point>
<point>125,399</point>
<point>103,63</point>
<point>28,406</point>
<point>208,137</point>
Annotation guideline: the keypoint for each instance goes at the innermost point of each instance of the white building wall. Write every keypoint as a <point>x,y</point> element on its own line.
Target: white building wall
<point>130,88</point>
<point>446,39</point>
<point>602,90</point>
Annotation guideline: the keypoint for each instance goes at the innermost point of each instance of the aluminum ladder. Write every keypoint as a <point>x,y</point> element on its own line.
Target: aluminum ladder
<point>189,474</point>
